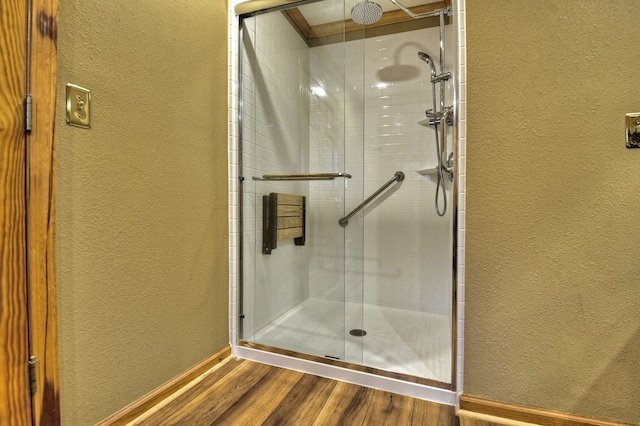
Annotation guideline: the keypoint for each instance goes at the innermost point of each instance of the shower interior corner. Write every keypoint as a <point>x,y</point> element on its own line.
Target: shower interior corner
<point>377,292</point>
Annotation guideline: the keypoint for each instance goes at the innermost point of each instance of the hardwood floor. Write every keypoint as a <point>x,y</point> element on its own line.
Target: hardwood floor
<point>241,392</point>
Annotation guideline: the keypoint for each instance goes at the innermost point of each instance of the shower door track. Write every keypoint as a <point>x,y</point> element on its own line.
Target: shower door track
<point>345,364</point>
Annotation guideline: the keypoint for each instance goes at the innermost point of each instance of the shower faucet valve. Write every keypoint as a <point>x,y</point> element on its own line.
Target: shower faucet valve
<point>450,161</point>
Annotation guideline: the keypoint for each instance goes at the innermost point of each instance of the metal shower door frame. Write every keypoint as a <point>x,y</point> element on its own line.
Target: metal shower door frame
<point>252,8</point>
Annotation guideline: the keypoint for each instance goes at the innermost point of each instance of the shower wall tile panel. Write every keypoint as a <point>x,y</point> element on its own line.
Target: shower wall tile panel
<point>395,257</point>
<point>328,132</point>
<point>460,19</point>
<point>276,132</point>
<point>232,101</point>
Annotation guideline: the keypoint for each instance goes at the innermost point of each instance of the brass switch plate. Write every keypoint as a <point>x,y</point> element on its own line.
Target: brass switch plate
<point>633,130</point>
<point>78,106</point>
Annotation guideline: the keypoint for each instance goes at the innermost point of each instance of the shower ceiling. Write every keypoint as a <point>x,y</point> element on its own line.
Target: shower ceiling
<point>316,20</point>
<point>320,13</point>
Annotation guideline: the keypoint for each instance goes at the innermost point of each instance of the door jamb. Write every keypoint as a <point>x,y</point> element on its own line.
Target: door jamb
<point>40,220</point>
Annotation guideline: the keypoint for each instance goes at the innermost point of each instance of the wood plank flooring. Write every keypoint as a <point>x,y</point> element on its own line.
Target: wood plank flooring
<point>241,392</point>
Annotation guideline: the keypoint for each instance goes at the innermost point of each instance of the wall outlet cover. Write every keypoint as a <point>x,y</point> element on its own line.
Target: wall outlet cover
<point>633,129</point>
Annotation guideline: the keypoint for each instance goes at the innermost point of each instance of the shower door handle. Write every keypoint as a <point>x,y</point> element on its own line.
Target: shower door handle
<point>312,176</point>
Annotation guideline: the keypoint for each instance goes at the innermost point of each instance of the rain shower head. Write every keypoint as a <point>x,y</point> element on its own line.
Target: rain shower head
<point>428,60</point>
<point>366,12</point>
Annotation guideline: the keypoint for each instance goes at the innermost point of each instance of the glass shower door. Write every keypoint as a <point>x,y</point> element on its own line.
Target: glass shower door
<point>375,293</point>
<point>293,191</point>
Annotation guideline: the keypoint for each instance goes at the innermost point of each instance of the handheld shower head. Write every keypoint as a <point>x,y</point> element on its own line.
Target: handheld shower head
<point>366,12</point>
<point>423,56</point>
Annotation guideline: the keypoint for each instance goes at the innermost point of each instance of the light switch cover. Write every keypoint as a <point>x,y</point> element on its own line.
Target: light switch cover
<point>78,106</point>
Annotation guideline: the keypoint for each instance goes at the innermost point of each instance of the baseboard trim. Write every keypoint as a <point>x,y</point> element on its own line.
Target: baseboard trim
<point>153,398</point>
<point>513,414</point>
<point>471,418</point>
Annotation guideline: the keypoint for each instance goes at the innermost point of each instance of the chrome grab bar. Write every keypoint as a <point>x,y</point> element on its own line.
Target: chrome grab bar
<point>398,176</point>
<point>312,176</point>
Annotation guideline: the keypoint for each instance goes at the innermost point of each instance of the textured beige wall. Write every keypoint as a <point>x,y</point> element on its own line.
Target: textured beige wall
<point>141,199</point>
<point>553,240</point>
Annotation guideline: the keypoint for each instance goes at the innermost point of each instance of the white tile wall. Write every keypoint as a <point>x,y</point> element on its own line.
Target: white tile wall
<point>461,42</point>
<point>232,102</point>
<point>276,132</point>
<point>327,134</point>
<point>380,137</point>
<point>399,255</point>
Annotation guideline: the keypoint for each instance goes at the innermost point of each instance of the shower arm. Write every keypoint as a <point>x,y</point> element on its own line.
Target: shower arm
<point>420,15</point>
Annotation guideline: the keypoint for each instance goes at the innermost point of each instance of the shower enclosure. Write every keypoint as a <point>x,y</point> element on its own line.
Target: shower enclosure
<point>343,259</point>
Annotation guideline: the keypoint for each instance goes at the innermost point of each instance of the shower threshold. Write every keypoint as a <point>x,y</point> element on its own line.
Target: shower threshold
<point>346,365</point>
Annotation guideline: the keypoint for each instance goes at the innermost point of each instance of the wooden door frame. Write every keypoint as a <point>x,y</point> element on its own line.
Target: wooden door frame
<point>15,397</point>
<point>40,220</point>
